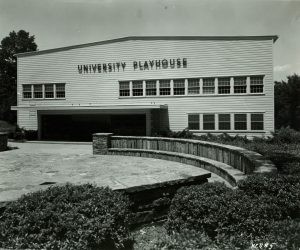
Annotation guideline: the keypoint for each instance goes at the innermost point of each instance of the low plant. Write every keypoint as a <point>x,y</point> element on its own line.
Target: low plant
<point>67,217</point>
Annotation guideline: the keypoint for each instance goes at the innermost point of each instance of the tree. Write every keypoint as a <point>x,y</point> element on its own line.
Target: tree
<point>287,103</point>
<point>14,43</point>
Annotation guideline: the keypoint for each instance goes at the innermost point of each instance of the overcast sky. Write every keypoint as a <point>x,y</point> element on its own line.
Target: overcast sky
<point>57,23</point>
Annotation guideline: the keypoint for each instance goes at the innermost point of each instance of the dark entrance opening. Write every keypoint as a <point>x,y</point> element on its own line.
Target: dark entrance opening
<point>81,127</point>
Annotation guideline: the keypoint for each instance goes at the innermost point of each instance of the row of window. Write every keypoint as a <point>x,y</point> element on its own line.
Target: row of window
<point>194,86</point>
<point>41,91</point>
<point>226,121</point>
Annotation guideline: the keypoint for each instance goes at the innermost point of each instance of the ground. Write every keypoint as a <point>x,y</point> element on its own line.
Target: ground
<point>24,169</point>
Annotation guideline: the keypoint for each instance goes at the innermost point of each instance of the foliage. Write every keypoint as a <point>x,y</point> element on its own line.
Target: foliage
<point>251,210</point>
<point>67,217</point>
<point>286,135</point>
<point>287,102</point>
<point>179,134</point>
<point>16,42</point>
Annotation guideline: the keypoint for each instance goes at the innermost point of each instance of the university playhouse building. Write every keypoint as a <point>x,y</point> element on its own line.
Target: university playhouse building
<point>146,85</point>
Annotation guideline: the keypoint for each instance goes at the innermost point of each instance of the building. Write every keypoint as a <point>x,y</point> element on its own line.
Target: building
<point>145,85</point>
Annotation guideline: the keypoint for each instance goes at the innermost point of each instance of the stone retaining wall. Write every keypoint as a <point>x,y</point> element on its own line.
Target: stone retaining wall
<point>242,159</point>
<point>3,141</point>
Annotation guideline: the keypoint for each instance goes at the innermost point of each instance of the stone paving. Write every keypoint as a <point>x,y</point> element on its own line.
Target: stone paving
<point>24,169</point>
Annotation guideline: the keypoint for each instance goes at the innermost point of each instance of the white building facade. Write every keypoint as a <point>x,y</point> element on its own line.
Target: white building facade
<point>147,85</point>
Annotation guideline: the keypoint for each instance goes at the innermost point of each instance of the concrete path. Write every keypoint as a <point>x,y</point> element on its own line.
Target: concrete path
<point>24,169</point>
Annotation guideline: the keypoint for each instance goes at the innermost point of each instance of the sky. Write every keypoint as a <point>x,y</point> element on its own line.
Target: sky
<point>58,23</point>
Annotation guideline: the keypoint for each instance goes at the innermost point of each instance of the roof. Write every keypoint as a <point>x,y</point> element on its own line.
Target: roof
<point>149,38</point>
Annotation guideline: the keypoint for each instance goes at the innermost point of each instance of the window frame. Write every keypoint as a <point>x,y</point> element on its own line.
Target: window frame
<point>60,91</point>
<point>151,89</point>
<point>222,86</point>
<point>239,121</point>
<point>31,91</point>
<point>179,87</point>
<point>262,122</point>
<point>36,92</point>
<point>192,122</point>
<point>224,122</point>
<point>193,84</point>
<point>209,122</point>
<point>210,86</point>
<point>256,84</point>
<point>139,89</point>
<point>165,89</point>
<point>122,89</point>
<point>45,91</point>
<point>238,85</point>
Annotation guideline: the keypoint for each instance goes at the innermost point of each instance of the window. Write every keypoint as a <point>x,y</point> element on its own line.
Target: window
<point>124,89</point>
<point>209,122</point>
<point>194,122</point>
<point>27,94</point>
<point>193,86</point>
<point>240,122</point>
<point>38,91</point>
<point>240,85</point>
<point>257,122</point>
<point>60,90</point>
<point>164,87</point>
<point>224,85</point>
<point>150,87</point>
<point>208,86</point>
<point>179,87</point>
<point>256,84</point>
<point>224,122</point>
<point>49,91</point>
<point>137,88</point>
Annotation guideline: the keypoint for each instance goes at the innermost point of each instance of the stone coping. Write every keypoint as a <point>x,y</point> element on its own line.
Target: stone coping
<point>261,164</point>
<point>226,171</point>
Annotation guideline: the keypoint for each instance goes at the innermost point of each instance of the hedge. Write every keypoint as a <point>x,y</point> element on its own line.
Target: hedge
<point>67,217</point>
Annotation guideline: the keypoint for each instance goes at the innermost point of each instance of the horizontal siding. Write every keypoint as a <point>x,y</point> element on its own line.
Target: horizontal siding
<point>204,58</point>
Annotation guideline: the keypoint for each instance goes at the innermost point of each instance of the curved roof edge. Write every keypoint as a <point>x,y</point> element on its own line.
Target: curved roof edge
<point>149,38</point>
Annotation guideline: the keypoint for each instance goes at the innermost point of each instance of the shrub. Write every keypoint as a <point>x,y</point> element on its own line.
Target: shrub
<point>197,208</point>
<point>216,210</point>
<point>172,134</point>
<point>68,217</point>
<point>286,135</point>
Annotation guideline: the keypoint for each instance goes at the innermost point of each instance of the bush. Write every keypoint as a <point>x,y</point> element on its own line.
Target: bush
<point>198,208</point>
<point>214,210</point>
<point>286,135</point>
<point>172,134</point>
<point>68,217</point>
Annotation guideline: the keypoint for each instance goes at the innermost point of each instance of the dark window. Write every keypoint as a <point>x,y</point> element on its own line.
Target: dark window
<point>256,84</point>
<point>240,85</point>
<point>240,121</point>
<point>137,88</point>
<point>257,122</point>
<point>49,91</point>
<point>194,122</point>
<point>224,122</point>
<point>38,90</point>
<point>150,87</point>
<point>164,87</point>
<point>193,86</point>
<point>224,85</point>
<point>208,85</point>
<point>179,87</point>
<point>27,94</point>
<point>209,122</point>
<point>60,90</point>
<point>124,89</point>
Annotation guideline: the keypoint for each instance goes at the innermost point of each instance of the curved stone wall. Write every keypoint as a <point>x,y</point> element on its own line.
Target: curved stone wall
<point>247,162</point>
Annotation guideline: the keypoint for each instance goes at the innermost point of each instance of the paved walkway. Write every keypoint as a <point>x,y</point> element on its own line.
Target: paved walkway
<point>23,170</point>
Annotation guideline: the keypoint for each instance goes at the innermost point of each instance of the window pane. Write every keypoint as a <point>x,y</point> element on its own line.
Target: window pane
<point>240,122</point>
<point>164,87</point>
<point>179,87</point>
<point>224,122</point>
<point>27,91</point>
<point>150,87</point>
<point>209,122</point>
<point>124,89</point>
<point>193,86</point>
<point>137,88</point>
<point>256,84</point>
<point>193,122</point>
<point>257,122</point>
<point>60,90</point>
<point>38,90</point>
<point>49,91</point>
<point>240,85</point>
<point>208,86</point>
